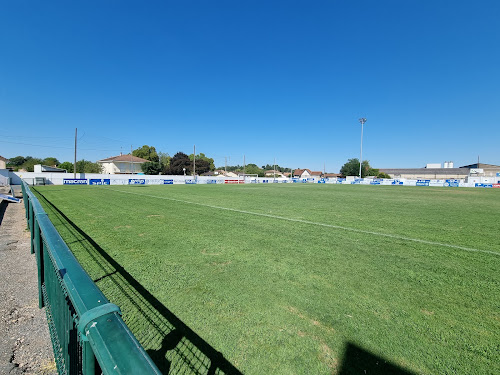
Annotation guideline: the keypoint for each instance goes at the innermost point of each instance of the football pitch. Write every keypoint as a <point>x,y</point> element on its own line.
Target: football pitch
<point>297,278</point>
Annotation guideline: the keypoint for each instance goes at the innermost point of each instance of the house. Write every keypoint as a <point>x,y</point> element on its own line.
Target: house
<point>272,173</point>
<point>122,164</point>
<point>307,173</point>
<point>39,168</point>
<point>3,162</point>
<point>302,173</point>
<point>210,173</point>
<point>332,175</point>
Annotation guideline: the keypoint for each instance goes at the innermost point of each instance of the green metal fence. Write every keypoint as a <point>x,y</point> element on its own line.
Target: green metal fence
<point>88,334</point>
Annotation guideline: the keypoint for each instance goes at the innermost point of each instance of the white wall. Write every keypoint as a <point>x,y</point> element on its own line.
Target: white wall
<point>123,179</point>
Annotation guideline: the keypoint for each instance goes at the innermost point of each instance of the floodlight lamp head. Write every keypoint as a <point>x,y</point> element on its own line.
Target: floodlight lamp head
<point>362,120</point>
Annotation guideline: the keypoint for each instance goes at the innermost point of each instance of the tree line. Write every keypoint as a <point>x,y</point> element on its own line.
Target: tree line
<point>179,164</point>
<point>27,163</point>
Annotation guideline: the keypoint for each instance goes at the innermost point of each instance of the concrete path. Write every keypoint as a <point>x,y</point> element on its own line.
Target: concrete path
<point>25,346</point>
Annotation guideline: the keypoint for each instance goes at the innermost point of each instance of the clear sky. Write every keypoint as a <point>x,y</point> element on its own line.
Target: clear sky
<point>265,79</point>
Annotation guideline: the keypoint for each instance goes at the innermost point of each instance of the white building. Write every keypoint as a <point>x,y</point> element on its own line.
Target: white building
<point>122,164</point>
<point>3,162</point>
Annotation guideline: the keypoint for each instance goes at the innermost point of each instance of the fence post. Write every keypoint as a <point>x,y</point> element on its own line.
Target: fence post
<point>39,260</point>
<point>31,226</point>
<point>88,358</point>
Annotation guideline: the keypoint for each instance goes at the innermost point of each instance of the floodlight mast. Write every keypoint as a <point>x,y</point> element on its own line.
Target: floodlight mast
<point>362,120</point>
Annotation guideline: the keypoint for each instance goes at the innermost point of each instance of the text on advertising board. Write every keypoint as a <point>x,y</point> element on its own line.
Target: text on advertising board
<point>75,181</point>
<point>136,181</point>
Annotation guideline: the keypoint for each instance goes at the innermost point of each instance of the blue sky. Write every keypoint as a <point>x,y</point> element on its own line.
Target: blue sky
<point>265,79</point>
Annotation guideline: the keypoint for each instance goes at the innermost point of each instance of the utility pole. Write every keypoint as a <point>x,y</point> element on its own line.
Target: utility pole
<point>194,160</point>
<point>274,168</point>
<point>225,164</point>
<point>74,165</point>
<point>362,120</point>
<point>244,169</point>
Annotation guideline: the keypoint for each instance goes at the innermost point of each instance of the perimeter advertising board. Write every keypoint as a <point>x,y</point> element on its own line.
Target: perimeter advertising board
<point>452,183</point>
<point>136,181</point>
<point>423,182</point>
<point>75,181</point>
<point>99,181</point>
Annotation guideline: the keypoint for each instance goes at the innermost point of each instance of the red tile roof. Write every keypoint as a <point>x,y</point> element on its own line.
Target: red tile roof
<point>125,158</point>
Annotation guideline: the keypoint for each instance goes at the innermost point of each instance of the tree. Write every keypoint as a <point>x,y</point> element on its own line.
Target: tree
<point>50,161</point>
<point>85,166</point>
<point>202,157</point>
<point>351,168</point>
<point>29,164</point>
<point>253,169</point>
<point>16,161</point>
<point>383,175</point>
<point>146,152</point>
<point>164,159</point>
<point>67,165</point>
<point>269,167</point>
<point>151,168</point>
<point>177,163</point>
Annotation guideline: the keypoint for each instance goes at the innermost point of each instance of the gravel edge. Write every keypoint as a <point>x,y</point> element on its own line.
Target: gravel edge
<point>25,346</point>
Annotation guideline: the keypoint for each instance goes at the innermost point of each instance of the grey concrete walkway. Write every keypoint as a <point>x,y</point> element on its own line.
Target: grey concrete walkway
<point>25,346</point>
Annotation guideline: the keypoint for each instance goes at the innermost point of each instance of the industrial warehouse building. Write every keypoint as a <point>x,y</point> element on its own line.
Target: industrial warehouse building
<point>435,171</point>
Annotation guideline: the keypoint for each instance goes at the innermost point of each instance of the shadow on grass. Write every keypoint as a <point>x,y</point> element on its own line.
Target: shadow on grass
<point>357,360</point>
<point>171,344</point>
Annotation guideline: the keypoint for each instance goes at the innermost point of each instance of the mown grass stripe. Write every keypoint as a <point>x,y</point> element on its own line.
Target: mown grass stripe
<point>308,222</point>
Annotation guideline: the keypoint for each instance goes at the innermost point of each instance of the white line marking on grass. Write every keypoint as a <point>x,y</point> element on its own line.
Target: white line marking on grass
<point>394,236</point>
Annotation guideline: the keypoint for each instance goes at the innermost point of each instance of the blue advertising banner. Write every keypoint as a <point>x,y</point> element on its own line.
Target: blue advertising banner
<point>168,182</point>
<point>10,198</point>
<point>265,181</point>
<point>452,183</point>
<point>375,182</point>
<point>211,181</point>
<point>98,181</point>
<point>136,181</point>
<point>423,182</point>
<point>484,185</point>
<point>75,181</point>
<point>397,182</point>
<point>322,181</point>
<point>190,182</point>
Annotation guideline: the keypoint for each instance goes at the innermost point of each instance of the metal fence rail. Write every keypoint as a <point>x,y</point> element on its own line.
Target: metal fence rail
<point>88,334</point>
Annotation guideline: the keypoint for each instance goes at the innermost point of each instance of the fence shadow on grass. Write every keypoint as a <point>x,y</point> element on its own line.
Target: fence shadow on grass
<point>357,360</point>
<point>173,346</point>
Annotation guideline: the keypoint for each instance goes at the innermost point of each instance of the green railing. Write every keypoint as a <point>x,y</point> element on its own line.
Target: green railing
<point>88,334</point>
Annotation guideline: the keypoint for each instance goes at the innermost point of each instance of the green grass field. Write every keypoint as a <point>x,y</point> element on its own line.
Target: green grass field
<point>298,278</point>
